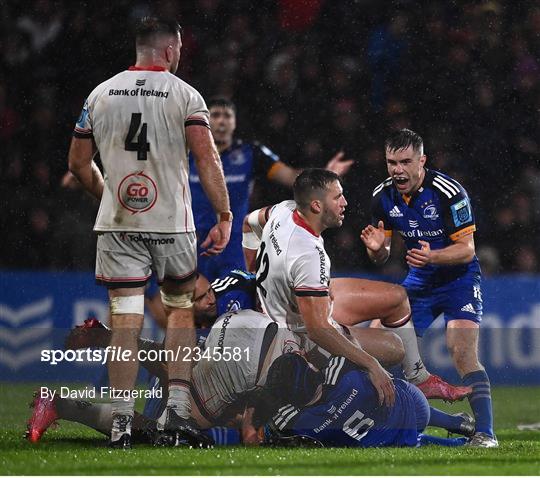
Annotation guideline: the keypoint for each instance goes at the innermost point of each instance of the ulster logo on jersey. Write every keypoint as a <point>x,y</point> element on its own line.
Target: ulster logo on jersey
<point>395,212</point>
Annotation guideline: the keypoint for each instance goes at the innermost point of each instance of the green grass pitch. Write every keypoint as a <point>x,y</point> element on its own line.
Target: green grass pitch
<point>75,450</point>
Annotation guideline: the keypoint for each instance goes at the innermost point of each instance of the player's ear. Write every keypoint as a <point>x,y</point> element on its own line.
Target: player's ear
<point>423,160</point>
<point>315,206</point>
<point>169,53</point>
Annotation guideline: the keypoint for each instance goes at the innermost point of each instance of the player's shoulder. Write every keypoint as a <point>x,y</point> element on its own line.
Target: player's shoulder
<point>111,83</point>
<point>382,188</point>
<point>444,185</point>
<point>234,279</point>
<point>182,87</point>
<point>258,147</point>
<point>338,367</point>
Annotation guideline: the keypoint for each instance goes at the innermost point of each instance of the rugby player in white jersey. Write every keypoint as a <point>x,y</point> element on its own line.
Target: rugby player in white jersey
<point>293,267</point>
<point>142,122</point>
<point>293,271</point>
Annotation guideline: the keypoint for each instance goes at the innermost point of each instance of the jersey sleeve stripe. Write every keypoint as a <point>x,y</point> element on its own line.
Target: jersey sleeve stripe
<point>311,293</point>
<point>333,370</point>
<point>196,122</point>
<point>82,134</point>
<point>453,187</point>
<point>462,232</point>
<point>441,188</point>
<point>277,166</point>
<point>386,182</point>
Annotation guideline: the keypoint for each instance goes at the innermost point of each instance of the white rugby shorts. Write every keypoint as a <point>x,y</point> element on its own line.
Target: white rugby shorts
<point>127,259</point>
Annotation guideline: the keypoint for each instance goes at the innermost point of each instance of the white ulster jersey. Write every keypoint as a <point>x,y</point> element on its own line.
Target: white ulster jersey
<point>218,385</point>
<point>138,119</point>
<point>291,262</point>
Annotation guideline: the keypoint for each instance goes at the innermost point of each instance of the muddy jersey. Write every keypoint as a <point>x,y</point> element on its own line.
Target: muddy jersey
<point>137,120</point>
<point>291,263</point>
<point>236,348</point>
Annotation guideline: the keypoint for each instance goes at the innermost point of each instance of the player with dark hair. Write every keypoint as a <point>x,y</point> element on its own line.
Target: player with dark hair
<point>352,301</point>
<point>433,214</point>
<point>338,406</point>
<point>142,122</point>
<point>243,163</point>
<point>293,270</point>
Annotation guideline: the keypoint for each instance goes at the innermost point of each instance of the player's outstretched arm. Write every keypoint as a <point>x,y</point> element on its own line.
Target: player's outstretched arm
<point>208,164</point>
<point>315,313</point>
<point>460,252</point>
<point>377,243</point>
<point>83,167</point>
<point>286,175</point>
<point>339,165</point>
<point>251,235</point>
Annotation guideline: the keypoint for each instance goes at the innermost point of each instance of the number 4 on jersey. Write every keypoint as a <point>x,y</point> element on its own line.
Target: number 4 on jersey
<point>141,146</point>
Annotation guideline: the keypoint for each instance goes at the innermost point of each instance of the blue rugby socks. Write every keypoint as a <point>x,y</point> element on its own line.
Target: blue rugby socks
<point>480,400</point>
<point>441,419</point>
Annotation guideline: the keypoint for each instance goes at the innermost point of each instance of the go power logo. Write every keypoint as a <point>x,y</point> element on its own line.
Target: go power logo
<point>137,192</point>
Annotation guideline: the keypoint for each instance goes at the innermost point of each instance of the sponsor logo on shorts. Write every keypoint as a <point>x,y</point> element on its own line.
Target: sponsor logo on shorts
<point>151,241</point>
<point>137,192</point>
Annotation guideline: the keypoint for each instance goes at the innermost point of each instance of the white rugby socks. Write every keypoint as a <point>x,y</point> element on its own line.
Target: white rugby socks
<point>414,368</point>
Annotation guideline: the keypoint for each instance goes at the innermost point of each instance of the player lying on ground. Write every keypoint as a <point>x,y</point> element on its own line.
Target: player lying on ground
<point>338,406</point>
<point>220,388</point>
<point>352,300</point>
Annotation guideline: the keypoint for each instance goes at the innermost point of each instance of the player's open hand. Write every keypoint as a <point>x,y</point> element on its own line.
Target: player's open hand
<point>382,381</point>
<point>217,239</point>
<point>339,165</point>
<point>419,257</point>
<point>373,237</point>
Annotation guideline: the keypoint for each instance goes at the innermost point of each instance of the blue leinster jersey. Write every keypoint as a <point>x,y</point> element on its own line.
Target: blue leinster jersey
<point>243,163</point>
<point>439,212</point>
<point>349,414</point>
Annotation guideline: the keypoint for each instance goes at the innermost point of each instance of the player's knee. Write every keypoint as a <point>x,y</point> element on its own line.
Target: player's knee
<point>464,357</point>
<point>177,301</point>
<point>127,305</point>
<point>402,300</point>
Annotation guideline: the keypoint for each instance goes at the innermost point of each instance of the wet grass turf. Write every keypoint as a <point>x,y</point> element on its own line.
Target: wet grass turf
<point>76,450</point>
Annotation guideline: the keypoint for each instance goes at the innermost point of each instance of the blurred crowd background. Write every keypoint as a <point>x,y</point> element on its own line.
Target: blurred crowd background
<point>309,77</point>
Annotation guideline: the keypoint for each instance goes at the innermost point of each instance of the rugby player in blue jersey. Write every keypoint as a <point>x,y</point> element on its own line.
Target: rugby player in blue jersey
<point>433,214</point>
<point>339,406</point>
<point>243,163</point>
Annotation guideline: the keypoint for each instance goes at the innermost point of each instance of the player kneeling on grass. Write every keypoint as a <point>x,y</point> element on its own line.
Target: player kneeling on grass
<point>339,406</point>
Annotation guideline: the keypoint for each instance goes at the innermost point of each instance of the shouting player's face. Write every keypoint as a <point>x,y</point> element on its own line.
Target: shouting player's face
<point>406,168</point>
<point>222,124</point>
<point>333,206</point>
